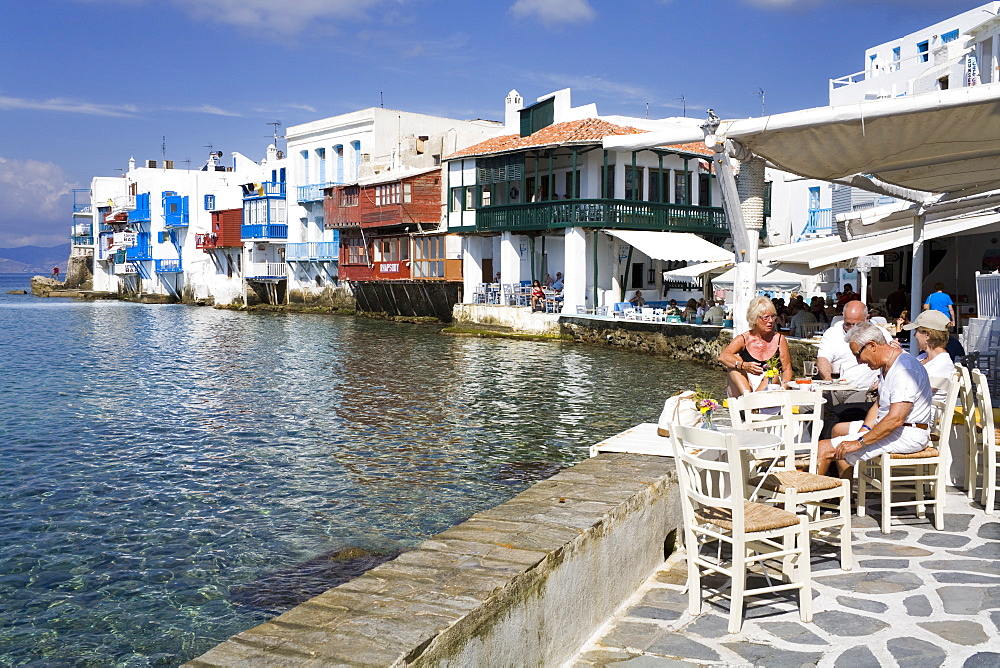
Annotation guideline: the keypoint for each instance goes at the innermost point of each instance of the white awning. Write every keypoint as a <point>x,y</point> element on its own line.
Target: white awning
<point>941,142</point>
<point>694,271</point>
<point>825,252</point>
<point>673,246</point>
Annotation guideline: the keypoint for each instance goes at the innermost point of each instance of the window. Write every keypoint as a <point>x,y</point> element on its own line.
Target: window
<point>950,36</point>
<point>682,194</point>
<point>470,198</point>
<point>633,183</point>
<point>321,156</point>
<point>357,253</point>
<point>407,193</point>
<point>659,185</point>
<point>209,202</point>
<point>608,182</point>
<point>895,59</point>
<point>339,150</point>
<point>457,200</point>
<point>392,250</point>
<point>305,167</point>
<point>923,52</point>
<point>572,184</point>
<point>387,194</point>
<point>349,196</point>
<point>356,148</point>
<point>428,257</point>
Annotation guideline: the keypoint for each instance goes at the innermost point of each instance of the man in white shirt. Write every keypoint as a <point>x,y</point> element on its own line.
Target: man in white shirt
<point>898,423</point>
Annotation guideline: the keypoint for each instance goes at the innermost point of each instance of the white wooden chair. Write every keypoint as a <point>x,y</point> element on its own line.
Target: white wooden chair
<point>986,443</point>
<point>918,472</point>
<point>825,500</point>
<point>725,534</point>
<point>967,398</point>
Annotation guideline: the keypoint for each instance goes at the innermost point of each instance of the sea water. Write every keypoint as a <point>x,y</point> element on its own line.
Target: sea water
<point>171,475</point>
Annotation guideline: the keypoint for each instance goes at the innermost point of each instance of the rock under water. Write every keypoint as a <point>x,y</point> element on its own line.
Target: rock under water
<point>288,587</point>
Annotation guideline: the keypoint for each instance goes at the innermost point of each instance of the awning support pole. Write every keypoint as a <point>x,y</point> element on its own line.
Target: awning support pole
<point>745,243</point>
<point>916,275</point>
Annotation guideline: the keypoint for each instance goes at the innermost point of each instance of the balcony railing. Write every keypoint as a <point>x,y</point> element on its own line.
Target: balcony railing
<point>171,266</point>
<point>85,230</point>
<point>313,192</point>
<point>264,231</point>
<point>83,241</point>
<point>262,270</point>
<point>312,251</point>
<point>606,213</point>
<point>267,189</point>
<point>206,241</point>
<point>847,80</point>
<point>137,253</point>
<point>818,223</point>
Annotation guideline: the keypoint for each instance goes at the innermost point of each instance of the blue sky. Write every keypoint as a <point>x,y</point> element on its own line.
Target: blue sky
<point>86,84</point>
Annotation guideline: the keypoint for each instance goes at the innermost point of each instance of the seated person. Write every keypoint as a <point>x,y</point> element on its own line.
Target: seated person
<point>637,301</point>
<point>932,337</point>
<point>537,296</point>
<point>715,314</point>
<point>690,309</point>
<point>800,316</point>
<point>748,353</point>
<point>899,422</point>
<point>557,284</point>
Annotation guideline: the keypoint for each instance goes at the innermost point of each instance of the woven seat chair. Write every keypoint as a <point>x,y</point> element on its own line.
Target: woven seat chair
<point>968,416</point>
<point>825,500</point>
<point>986,443</point>
<point>717,516</point>
<point>917,472</point>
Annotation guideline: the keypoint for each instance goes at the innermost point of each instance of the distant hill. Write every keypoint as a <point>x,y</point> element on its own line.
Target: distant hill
<point>33,259</point>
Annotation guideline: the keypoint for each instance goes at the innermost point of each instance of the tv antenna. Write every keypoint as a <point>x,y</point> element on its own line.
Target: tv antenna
<point>684,105</point>
<point>163,148</point>
<point>275,125</point>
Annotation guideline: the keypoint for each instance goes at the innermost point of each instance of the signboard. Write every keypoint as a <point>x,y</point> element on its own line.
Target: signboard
<point>125,239</point>
<point>388,267</point>
<point>891,256</point>
<point>867,262</point>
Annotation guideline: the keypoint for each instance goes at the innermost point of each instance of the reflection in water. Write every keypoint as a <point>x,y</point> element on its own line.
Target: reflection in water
<point>159,460</point>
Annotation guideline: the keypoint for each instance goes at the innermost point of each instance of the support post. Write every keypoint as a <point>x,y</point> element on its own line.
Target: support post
<point>916,275</point>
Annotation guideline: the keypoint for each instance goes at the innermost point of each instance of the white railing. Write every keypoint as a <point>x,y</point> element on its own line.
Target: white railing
<point>847,80</point>
<point>988,295</point>
<point>265,270</point>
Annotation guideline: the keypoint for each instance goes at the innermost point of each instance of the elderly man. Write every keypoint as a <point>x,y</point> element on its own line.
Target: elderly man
<point>899,422</point>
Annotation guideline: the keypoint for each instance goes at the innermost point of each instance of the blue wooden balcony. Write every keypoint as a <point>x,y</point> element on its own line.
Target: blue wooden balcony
<point>313,192</point>
<point>318,251</point>
<point>276,231</point>
<point>819,223</point>
<point>140,214</point>
<point>137,253</point>
<point>83,241</point>
<point>602,213</point>
<point>172,266</point>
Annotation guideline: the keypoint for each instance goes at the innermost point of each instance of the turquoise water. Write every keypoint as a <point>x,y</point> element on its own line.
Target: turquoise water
<point>159,462</point>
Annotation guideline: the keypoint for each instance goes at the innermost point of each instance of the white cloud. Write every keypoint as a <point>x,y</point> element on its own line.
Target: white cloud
<point>37,204</point>
<point>278,18</point>
<point>594,84</point>
<point>68,106</point>
<point>554,12</point>
<point>206,109</point>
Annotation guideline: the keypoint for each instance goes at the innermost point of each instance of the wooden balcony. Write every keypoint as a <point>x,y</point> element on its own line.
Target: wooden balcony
<point>602,213</point>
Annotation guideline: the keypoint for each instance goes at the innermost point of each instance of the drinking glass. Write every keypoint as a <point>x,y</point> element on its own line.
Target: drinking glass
<point>809,369</point>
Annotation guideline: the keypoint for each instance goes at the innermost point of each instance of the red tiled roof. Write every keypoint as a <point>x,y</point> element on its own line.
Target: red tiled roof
<point>587,130</point>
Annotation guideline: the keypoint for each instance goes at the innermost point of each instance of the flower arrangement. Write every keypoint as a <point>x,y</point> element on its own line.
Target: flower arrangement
<point>772,368</point>
<point>706,405</point>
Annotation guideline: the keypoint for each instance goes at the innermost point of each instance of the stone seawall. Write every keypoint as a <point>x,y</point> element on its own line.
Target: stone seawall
<point>525,583</point>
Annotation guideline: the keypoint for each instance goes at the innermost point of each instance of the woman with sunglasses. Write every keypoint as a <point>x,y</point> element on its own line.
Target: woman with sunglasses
<point>746,356</point>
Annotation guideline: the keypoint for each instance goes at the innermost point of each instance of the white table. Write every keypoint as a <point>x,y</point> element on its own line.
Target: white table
<point>642,439</point>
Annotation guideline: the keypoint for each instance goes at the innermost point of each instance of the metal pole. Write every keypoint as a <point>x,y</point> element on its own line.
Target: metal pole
<point>916,275</point>
<point>596,237</point>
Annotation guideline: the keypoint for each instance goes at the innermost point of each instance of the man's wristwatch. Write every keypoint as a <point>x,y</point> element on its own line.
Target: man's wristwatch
<point>861,440</point>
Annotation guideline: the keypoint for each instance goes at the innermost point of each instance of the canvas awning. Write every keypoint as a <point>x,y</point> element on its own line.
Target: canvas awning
<point>693,272</point>
<point>768,278</point>
<point>673,246</point>
<point>825,252</point>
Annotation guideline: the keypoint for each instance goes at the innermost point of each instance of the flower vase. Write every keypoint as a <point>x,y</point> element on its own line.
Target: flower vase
<point>707,422</point>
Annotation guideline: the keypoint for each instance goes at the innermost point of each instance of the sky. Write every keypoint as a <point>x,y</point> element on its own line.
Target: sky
<point>87,84</point>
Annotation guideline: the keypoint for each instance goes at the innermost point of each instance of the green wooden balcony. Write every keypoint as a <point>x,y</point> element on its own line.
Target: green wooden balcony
<point>602,213</point>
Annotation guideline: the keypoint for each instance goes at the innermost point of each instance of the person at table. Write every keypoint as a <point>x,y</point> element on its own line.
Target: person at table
<point>932,338</point>
<point>637,301</point>
<point>897,302</point>
<point>715,314</point>
<point>547,280</point>
<point>747,354</point>
<point>940,301</point>
<point>557,284</point>
<point>898,423</point>
<point>537,296</point>
<point>690,309</point>
<point>800,316</point>
<point>848,296</point>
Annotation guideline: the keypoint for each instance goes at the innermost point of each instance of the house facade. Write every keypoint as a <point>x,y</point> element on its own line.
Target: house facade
<point>545,197</point>
<point>371,180</point>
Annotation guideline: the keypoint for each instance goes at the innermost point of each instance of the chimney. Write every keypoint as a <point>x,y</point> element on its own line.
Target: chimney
<point>511,118</point>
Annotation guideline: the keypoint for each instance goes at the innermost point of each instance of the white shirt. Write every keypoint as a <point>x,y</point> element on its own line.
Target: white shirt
<point>906,380</point>
<point>835,349</point>
<point>939,367</point>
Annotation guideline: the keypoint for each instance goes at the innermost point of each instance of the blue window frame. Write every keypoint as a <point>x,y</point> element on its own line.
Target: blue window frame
<point>356,148</point>
<point>209,202</point>
<point>895,59</point>
<point>321,156</point>
<point>949,36</point>
<point>339,150</point>
<point>281,175</point>
<point>923,51</point>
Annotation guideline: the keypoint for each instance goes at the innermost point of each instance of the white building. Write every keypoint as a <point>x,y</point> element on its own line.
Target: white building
<point>547,198</point>
<point>959,51</point>
<point>152,225</point>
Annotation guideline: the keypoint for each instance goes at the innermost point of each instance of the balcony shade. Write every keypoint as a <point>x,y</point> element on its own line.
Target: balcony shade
<point>673,246</point>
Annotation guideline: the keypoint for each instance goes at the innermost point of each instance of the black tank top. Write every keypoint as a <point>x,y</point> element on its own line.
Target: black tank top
<point>747,357</point>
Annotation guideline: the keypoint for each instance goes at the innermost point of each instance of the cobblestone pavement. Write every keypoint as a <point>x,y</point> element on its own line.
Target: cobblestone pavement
<point>916,597</point>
